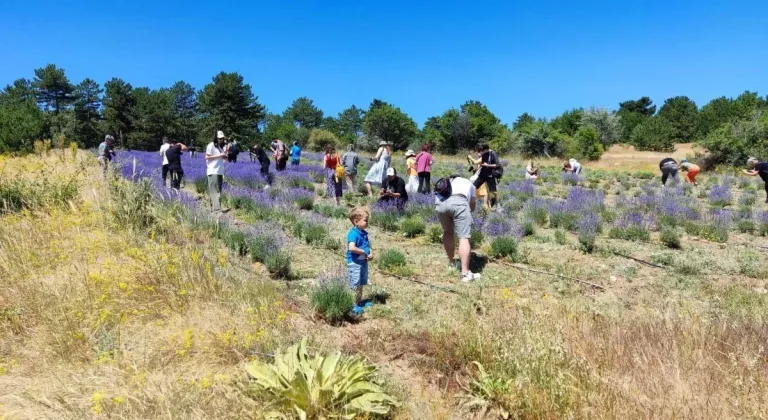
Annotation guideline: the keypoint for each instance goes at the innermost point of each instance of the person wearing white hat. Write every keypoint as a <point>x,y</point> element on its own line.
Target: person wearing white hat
<point>378,171</point>
<point>393,190</point>
<point>412,185</point>
<point>215,154</point>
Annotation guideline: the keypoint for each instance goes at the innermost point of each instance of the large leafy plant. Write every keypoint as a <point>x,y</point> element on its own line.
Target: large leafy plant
<point>318,387</point>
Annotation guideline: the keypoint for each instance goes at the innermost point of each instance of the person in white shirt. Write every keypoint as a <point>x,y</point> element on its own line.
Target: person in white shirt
<point>573,166</point>
<point>163,148</point>
<point>455,199</point>
<point>215,154</point>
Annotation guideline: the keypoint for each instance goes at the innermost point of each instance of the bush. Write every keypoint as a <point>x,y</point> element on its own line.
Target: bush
<point>318,387</point>
<point>560,237</point>
<point>435,234</point>
<point>587,241</point>
<point>319,139</point>
<point>314,234</point>
<point>745,226</point>
<point>385,220</point>
<point>588,143</point>
<point>201,185</point>
<point>279,265</point>
<point>504,247</point>
<point>476,239</point>
<point>529,227</point>
<point>664,258</point>
<point>391,259</point>
<point>304,203</point>
<point>331,211</point>
<point>332,300</point>
<point>413,226</point>
<point>236,241</point>
<point>670,237</point>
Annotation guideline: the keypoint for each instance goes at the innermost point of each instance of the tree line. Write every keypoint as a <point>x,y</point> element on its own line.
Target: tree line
<point>49,106</point>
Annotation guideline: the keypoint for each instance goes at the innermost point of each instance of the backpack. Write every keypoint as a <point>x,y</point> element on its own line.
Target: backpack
<point>285,154</point>
<point>340,172</point>
<point>234,149</point>
<point>498,171</point>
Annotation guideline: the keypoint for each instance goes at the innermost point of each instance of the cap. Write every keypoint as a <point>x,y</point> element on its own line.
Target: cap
<point>108,137</point>
<point>391,172</point>
<point>382,143</point>
<point>684,160</point>
<point>409,153</point>
<point>220,135</point>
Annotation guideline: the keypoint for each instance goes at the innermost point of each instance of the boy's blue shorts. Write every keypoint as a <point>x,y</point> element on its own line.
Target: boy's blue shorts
<point>357,274</point>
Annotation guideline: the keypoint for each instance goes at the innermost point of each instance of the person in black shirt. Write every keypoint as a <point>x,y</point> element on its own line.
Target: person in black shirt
<point>393,189</point>
<point>489,161</point>
<point>668,168</point>
<point>758,168</point>
<point>173,154</point>
<point>258,153</point>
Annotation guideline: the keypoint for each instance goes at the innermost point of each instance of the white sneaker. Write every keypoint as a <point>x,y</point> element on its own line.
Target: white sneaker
<point>470,276</point>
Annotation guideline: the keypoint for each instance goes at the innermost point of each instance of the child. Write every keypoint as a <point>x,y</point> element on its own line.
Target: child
<point>358,255</point>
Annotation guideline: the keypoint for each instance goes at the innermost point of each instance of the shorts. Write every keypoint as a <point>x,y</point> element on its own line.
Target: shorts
<point>357,274</point>
<point>455,216</point>
<point>490,181</point>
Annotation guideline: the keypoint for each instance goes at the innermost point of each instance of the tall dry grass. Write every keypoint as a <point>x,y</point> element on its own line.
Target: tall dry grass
<point>102,321</point>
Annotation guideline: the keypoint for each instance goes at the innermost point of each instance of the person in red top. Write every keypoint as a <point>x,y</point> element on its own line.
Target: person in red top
<point>424,169</point>
<point>330,162</point>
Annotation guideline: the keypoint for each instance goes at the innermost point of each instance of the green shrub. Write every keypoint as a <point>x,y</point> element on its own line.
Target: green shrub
<point>714,233</point>
<point>318,177</point>
<point>391,259</point>
<point>504,247</point>
<point>413,226</point>
<point>435,234</point>
<point>663,258</point>
<point>631,233</point>
<point>317,387</point>
<point>538,214</point>
<point>304,203</point>
<point>388,221</point>
<point>236,241</point>
<point>261,247</point>
<point>332,299</point>
<point>314,234</point>
<point>560,237</point>
<point>587,241</point>
<point>670,237</point>
<point>563,220</point>
<point>201,185</point>
<point>529,227</point>
<point>745,226</point>
<point>333,244</point>
<point>331,211</point>
<point>476,239</point>
<point>278,264</point>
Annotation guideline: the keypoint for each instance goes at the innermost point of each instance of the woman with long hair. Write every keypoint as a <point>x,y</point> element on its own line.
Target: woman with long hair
<point>330,163</point>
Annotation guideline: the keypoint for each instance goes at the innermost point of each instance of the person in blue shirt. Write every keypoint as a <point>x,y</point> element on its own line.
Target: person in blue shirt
<point>358,255</point>
<point>295,153</point>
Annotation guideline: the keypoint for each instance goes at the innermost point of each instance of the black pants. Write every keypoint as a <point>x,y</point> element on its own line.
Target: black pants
<point>424,184</point>
<point>176,176</point>
<point>666,172</point>
<point>165,174</point>
<point>281,164</point>
<point>264,168</point>
<point>764,177</point>
<point>233,157</point>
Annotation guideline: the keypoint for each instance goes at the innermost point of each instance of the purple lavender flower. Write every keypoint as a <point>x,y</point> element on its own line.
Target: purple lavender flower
<point>720,195</point>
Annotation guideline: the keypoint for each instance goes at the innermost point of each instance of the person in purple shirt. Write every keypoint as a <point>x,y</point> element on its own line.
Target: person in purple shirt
<point>424,164</point>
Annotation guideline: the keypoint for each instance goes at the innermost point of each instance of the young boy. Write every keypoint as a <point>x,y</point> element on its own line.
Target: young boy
<point>358,255</point>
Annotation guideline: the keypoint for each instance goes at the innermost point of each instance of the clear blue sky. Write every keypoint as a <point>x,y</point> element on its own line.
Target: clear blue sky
<point>423,56</point>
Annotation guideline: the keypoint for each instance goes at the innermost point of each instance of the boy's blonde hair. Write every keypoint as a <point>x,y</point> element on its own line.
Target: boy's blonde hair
<point>358,213</point>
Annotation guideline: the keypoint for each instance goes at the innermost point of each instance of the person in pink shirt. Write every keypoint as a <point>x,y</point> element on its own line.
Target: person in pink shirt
<point>424,168</point>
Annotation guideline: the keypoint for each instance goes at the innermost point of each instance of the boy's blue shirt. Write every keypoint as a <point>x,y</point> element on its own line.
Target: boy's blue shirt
<point>360,238</point>
<point>295,152</point>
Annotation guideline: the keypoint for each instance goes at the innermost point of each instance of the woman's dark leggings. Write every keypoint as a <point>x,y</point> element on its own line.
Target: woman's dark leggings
<point>176,175</point>
<point>666,172</point>
<point>424,184</point>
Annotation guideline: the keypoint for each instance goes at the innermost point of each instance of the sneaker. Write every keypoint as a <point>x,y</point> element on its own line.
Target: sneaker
<point>357,310</point>
<point>470,276</point>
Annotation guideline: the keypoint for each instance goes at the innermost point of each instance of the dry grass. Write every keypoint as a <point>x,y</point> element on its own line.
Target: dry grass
<point>98,321</point>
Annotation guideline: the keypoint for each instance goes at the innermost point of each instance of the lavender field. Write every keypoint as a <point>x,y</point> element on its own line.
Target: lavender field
<point>604,295</point>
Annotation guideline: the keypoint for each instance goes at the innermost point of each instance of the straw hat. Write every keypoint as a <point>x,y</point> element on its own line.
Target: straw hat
<point>382,143</point>
<point>409,153</point>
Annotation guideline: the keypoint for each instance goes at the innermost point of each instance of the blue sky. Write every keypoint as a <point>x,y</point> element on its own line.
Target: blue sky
<point>423,56</point>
